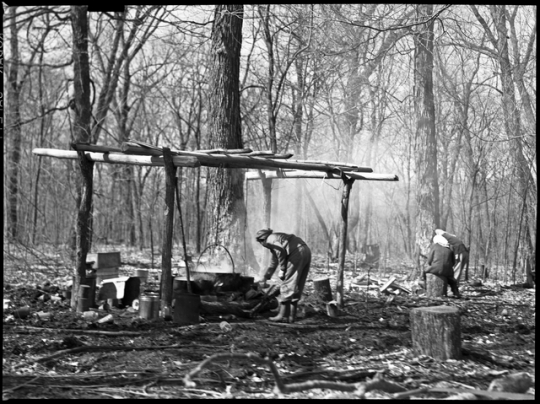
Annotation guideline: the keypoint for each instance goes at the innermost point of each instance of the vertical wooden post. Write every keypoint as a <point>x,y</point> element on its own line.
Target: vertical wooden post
<point>178,183</point>
<point>347,182</point>
<point>166,255</point>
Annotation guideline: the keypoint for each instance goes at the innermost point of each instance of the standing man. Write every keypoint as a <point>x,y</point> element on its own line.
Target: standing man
<point>459,249</point>
<point>293,257</point>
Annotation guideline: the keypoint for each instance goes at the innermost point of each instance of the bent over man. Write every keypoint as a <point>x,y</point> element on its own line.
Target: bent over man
<point>441,261</point>
<point>293,257</point>
<point>459,249</point>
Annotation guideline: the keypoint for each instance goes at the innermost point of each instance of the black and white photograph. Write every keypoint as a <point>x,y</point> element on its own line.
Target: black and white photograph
<point>269,201</point>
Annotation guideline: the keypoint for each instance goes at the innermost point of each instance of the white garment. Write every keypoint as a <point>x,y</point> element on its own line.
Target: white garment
<point>438,239</point>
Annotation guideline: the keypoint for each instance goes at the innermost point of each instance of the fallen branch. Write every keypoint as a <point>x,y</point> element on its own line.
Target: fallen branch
<point>111,348</point>
<point>343,375</point>
<point>377,383</point>
<point>496,395</point>
<point>32,330</point>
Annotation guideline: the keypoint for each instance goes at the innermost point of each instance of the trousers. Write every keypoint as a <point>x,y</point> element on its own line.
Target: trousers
<point>462,263</point>
<point>298,264</point>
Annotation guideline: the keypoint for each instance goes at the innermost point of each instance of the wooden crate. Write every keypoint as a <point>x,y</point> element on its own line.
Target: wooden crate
<point>104,259</point>
<point>106,273</point>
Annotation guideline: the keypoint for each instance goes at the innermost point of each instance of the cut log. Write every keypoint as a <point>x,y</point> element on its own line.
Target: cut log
<point>322,289</point>
<point>435,285</point>
<point>387,284</point>
<point>402,288</point>
<point>436,332</point>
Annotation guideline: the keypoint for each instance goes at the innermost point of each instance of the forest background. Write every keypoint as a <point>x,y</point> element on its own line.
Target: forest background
<point>336,82</point>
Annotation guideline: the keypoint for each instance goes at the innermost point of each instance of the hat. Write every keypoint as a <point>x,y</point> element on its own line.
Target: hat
<point>263,234</point>
<point>441,241</point>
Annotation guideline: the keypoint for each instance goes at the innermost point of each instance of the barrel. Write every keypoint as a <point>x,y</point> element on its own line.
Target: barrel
<point>180,285</point>
<point>149,306</point>
<point>186,308</point>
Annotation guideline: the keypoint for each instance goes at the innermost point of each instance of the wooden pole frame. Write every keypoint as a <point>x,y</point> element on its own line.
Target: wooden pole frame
<point>268,166</point>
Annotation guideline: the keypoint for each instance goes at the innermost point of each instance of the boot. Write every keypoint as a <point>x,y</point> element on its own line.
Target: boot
<point>284,311</point>
<point>292,316</point>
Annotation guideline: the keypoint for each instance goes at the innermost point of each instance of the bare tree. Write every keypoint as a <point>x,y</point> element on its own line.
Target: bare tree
<point>81,82</point>
<point>228,211</point>
<point>512,119</point>
<point>427,191</point>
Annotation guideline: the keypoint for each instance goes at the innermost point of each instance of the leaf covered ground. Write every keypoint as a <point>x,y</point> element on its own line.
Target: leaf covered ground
<point>364,352</point>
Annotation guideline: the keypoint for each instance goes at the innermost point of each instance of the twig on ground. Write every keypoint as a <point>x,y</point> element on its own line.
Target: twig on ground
<point>110,348</point>
<point>31,330</point>
<point>359,388</point>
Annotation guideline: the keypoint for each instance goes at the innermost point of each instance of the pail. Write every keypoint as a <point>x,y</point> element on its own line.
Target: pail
<point>149,306</point>
<point>186,308</point>
<point>83,304</point>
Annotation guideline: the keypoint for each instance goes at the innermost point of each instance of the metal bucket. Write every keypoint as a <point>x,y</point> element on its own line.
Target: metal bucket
<point>186,308</point>
<point>149,306</point>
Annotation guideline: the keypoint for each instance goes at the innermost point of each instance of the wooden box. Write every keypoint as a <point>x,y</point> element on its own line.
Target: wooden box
<point>104,259</point>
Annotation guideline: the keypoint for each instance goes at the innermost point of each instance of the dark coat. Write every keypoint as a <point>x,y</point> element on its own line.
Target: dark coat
<point>455,243</point>
<point>441,261</point>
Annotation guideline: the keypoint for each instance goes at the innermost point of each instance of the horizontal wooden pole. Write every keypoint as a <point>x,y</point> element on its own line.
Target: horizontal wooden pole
<point>352,167</point>
<point>254,175</point>
<point>118,158</point>
<point>240,161</point>
<point>95,148</point>
<point>269,154</point>
<point>243,152</point>
<point>226,151</point>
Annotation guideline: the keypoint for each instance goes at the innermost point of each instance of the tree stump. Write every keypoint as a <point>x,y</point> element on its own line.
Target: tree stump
<point>322,289</point>
<point>436,332</point>
<point>436,286</point>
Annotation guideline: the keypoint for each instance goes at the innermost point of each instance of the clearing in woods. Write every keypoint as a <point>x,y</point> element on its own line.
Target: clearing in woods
<point>65,356</point>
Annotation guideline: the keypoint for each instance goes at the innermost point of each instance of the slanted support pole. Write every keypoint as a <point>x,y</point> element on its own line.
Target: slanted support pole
<point>166,255</point>
<point>347,182</point>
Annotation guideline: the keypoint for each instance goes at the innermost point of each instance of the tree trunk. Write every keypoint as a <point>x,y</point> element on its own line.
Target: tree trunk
<point>512,118</point>
<point>427,192</point>
<point>511,114</point>
<point>81,70</point>
<point>436,332</point>
<point>14,127</point>
<point>227,208</point>
<point>436,286</point>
